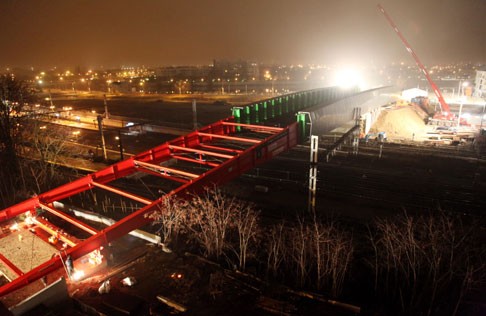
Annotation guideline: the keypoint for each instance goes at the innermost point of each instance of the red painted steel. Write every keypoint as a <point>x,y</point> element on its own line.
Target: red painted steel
<point>194,150</point>
<point>242,161</point>
<point>235,151</point>
<point>69,219</point>
<point>198,161</point>
<point>239,139</point>
<point>162,175</point>
<point>123,193</point>
<point>167,170</point>
<point>56,232</point>
<point>12,267</point>
<point>255,127</point>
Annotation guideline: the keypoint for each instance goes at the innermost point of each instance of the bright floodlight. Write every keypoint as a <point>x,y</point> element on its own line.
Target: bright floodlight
<point>347,78</point>
<point>77,275</point>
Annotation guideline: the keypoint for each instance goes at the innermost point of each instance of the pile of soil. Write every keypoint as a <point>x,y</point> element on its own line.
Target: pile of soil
<point>402,123</point>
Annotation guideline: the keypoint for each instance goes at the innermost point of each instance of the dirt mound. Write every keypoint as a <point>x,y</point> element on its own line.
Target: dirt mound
<point>400,123</point>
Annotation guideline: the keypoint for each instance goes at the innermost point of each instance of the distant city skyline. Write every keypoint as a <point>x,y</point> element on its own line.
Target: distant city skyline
<point>49,33</point>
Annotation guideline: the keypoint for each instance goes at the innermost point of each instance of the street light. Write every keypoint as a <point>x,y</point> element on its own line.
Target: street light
<point>120,146</point>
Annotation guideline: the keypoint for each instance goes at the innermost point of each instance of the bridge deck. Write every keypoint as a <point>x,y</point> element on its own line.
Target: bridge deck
<point>226,149</point>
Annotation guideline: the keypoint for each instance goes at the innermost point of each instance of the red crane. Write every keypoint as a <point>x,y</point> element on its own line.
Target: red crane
<point>445,110</point>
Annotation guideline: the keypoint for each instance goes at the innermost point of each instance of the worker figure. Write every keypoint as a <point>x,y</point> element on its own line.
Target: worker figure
<point>69,265</point>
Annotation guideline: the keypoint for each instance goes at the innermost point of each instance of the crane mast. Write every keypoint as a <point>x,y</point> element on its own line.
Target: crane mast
<point>443,104</point>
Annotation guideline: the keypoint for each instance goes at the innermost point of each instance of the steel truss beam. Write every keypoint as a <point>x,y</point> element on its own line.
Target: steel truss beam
<point>198,161</point>
<point>12,267</point>
<point>166,169</point>
<point>198,151</point>
<point>238,139</point>
<point>255,127</point>
<point>162,175</point>
<point>69,219</point>
<point>123,193</point>
<point>149,161</point>
<point>55,231</point>
<point>234,151</point>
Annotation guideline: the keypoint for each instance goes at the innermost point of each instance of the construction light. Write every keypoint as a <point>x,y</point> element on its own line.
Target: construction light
<point>14,227</point>
<point>29,221</point>
<point>347,78</point>
<point>77,275</point>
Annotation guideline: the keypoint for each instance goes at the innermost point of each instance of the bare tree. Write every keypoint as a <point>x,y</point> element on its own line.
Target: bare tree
<point>47,146</point>
<point>275,247</point>
<point>421,259</point>
<point>209,217</point>
<point>245,220</point>
<point>332,251</point>
<point>299,239</point>
<point>14,96</point>
<point>170,216</point>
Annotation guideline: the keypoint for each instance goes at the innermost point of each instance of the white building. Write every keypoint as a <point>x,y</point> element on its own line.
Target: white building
<point>480,83</point>
<point>413,93</point>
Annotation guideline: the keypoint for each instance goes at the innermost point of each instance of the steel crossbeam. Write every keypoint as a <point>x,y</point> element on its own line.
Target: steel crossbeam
<point>234,151</point>
<point>12,267</point>
<point>122,193</point>
<point>55,231</point>
<point>198,151</point>
<point>166,169</point>
<point>237,163</point>
<point>238,139</point>
<point>69,219</point>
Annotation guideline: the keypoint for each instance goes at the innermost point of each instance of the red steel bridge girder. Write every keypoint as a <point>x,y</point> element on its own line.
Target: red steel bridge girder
<point>265,149</point>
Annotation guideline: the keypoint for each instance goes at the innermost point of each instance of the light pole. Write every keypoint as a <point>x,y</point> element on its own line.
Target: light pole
<point>120,146</point>
<point>314,151</point>
<point>103,146</point>
<point>194,114</point>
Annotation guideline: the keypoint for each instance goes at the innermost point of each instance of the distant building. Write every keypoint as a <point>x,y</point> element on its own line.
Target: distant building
<point>413,93</point>
<point>240,70</point>
<point>183,72</point>
<point>480,82</point>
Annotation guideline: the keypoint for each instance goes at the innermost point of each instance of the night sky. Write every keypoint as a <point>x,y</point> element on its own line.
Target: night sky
<point>91,33</point>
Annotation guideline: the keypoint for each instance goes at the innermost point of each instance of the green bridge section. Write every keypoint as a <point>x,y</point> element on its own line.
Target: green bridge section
<point>289,105</point>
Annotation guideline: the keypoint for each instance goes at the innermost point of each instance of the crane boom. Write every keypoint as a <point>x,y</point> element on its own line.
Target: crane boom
<point>443,104</point>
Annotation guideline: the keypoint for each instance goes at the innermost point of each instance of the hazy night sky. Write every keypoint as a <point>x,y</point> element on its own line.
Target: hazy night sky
<point>90,33</point>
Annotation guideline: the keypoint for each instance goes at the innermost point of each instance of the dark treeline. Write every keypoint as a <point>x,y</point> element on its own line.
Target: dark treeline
<point>403,265</point>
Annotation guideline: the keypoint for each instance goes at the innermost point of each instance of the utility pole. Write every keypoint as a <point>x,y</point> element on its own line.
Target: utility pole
<point>50,99</point>
<point>357,122</point>
<point>103,145</point>
<point>314,149</point>
<point>194,114</point>
<point>120,145</point>
<point>107,115</point>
